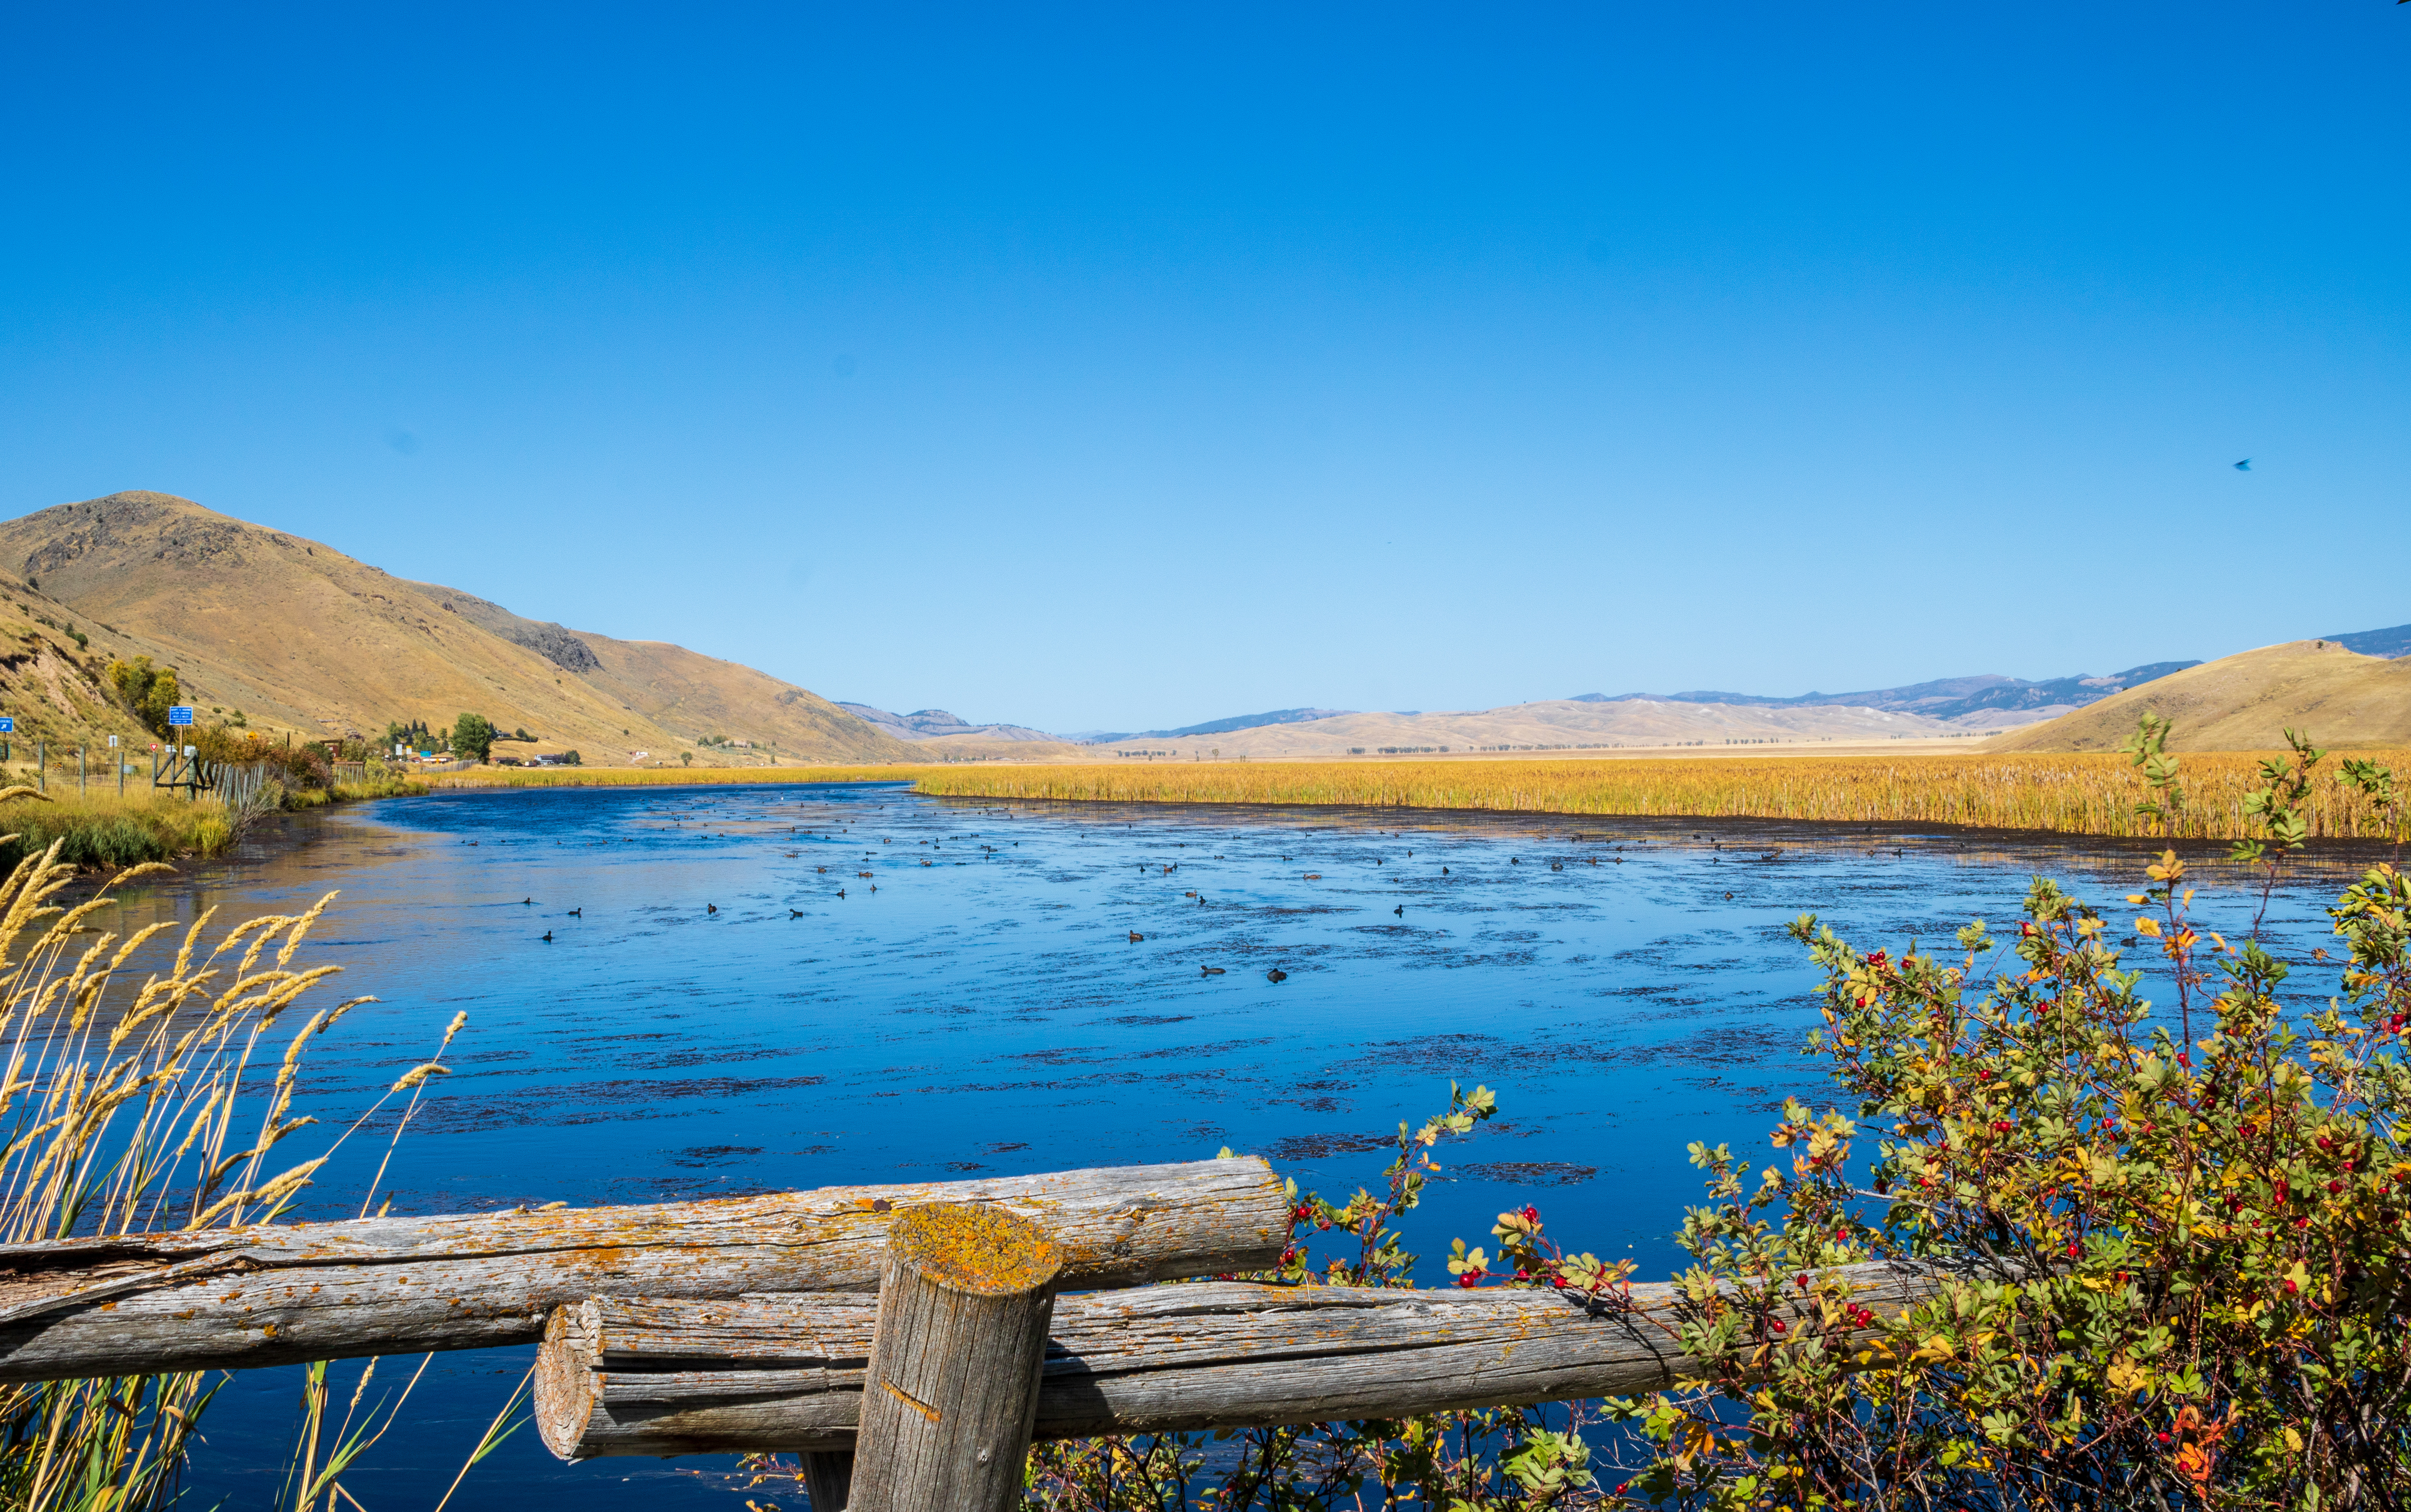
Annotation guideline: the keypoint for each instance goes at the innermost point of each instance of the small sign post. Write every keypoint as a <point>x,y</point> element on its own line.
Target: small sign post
<point>7,727</point>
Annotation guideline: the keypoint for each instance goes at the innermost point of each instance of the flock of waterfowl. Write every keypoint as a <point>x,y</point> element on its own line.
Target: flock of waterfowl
<point>841,828</point>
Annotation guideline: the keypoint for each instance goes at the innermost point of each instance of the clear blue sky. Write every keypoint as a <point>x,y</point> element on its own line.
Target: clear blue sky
<point>1140,364</point>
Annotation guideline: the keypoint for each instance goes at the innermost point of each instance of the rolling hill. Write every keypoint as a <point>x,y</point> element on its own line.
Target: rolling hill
<point>2335,695</point>
<point>1563,724</point>
<point>302,637</point>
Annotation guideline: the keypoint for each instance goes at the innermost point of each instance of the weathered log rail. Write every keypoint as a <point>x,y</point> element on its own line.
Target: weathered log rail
<point>276,1295</point>
<point>619,1376</point>
<point>909,1341</point>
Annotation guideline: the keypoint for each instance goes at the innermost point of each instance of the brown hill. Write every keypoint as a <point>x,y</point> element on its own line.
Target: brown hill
<point>2246,702</point>
<point>300,636</point>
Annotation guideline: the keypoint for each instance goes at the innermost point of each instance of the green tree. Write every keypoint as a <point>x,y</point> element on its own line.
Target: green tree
<point>149,691</point>
<point>472,736</point>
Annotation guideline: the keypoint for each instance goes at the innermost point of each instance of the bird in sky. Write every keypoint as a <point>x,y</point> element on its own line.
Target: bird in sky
<point>2243,466</point>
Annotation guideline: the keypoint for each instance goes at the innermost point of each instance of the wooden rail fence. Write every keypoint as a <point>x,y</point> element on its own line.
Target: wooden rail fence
<point>908,1341</point>
<point>271,1295</point>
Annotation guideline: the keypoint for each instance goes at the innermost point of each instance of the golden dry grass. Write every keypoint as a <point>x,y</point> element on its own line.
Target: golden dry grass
<point>2246,702</point>
<point>2065,794</point>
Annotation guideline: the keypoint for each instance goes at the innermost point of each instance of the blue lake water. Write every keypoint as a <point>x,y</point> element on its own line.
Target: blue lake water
<point>733,1008</point>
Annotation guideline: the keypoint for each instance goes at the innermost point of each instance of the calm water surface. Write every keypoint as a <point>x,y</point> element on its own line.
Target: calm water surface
<point>735,1008</point>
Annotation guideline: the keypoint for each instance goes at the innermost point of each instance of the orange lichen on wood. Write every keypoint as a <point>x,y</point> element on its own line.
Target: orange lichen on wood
<point>980,1249</point>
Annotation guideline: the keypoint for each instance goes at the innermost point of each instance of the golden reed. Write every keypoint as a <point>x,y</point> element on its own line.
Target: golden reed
<point>2072,794</point>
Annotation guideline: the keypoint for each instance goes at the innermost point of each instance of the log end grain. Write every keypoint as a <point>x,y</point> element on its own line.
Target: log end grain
<point>566,1383</point>
<point>980,1251</point>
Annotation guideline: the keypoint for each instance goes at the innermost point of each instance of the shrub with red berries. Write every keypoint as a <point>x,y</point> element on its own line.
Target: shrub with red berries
<point>2179,1233</point>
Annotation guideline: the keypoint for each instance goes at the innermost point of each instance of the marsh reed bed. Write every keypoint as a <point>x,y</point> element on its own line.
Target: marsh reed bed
<point>2071,794</point>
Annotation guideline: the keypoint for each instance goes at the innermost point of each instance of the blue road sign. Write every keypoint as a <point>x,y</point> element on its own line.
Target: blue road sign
<point>7,724</point>
<point>179,714</point>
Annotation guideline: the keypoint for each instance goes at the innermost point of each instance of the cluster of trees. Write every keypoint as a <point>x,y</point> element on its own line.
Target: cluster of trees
<point>413,733</point>
<point>471,736</point>
<point>150,692</point>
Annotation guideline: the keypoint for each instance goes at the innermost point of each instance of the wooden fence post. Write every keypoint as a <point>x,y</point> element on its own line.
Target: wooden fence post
<point>952,1391</point>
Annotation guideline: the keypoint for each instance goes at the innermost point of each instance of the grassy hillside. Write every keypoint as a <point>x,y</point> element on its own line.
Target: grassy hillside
<point>672,688</point>
<point>2246,702</point>
<point>302,637</point>
<point>57,687</point>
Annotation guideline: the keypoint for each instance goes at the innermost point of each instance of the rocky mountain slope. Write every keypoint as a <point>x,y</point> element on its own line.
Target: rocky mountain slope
<point>302,637</point>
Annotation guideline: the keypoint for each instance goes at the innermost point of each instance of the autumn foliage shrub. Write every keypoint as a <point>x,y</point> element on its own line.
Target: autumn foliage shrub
<point>2177,1231</point>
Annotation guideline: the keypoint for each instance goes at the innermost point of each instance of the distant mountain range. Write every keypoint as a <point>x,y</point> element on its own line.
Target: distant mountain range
<point>1954,699</point>
<point>1987,702</point>
<point>1216,727</point>
<point>937,725</point>
<point>2385,642</point>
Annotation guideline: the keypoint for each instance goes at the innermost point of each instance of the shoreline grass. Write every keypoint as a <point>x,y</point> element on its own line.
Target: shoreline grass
<point>2060,794</point>
<point>110,830</point>
<point>103,830</point>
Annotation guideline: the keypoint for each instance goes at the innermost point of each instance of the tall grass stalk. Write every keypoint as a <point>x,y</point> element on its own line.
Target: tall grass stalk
<point>2075,794</point>
<point>122,1115</point>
